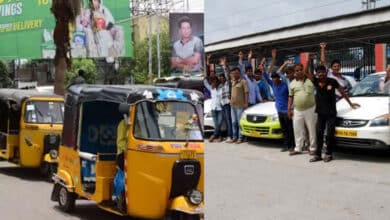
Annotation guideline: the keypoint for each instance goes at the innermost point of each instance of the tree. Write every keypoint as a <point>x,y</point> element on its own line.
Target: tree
<point>65,12</point>
<point>87,65</point>
<point>141,59</point>
<point>5,81</point>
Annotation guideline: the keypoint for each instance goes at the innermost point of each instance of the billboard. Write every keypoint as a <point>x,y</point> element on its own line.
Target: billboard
<point>186,35</point>
<point>103,29</point>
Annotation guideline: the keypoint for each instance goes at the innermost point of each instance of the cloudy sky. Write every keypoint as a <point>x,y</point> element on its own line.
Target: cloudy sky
<point>194,5</point>
<point>226,19</point>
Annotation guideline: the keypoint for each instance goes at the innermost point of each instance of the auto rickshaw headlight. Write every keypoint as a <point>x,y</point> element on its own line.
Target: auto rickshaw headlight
<point>195,196</point>
<point>53,154</point>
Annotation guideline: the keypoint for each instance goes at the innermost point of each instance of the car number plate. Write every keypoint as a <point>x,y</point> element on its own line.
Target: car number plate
<point>255,133</point>
<point>345,133</point>
<point>187,154</point>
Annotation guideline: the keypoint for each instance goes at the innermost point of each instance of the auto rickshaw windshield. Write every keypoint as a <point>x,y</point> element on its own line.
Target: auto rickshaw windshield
<point>44,112</point>
<point>167,120</point>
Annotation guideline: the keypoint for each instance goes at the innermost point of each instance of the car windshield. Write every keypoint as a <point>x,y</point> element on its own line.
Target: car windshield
<point>369,86</point>
<point>176,121</point>
<point>44,112</point>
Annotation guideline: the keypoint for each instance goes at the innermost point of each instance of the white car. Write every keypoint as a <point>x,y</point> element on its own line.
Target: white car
<point>208,118</point>
<point>369,125</point>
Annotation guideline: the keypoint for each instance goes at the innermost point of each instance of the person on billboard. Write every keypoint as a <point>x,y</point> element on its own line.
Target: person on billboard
<point>187,51</point>
<point>103,37</point>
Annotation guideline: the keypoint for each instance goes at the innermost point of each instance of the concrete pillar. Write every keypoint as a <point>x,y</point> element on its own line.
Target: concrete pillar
<point>380,57</point>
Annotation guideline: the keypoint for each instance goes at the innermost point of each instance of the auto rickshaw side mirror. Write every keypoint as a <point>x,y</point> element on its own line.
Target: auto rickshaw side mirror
<point>124,108</point>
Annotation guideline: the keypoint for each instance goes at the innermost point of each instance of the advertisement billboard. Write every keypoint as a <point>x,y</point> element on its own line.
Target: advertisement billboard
<point>186,35</point>
<point>103,29</point>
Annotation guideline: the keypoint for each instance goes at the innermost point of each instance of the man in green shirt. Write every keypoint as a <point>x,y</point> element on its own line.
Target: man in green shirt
<point>121,142</point>
<point>301,94</point>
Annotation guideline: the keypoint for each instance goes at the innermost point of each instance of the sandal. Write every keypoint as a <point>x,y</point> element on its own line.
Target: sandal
<point>315,159</point>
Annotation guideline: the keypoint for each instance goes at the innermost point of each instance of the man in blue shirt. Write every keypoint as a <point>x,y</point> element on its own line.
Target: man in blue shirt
<point>263,86</point>
<point>280,90</point>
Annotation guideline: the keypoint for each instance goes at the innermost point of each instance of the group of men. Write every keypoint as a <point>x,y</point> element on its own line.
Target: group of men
<point>305,101</point>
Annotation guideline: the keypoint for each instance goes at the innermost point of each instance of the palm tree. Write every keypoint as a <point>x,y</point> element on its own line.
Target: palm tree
<point>65,12</point>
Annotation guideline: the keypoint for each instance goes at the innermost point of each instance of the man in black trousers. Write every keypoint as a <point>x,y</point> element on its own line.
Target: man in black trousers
<point>325,108</point>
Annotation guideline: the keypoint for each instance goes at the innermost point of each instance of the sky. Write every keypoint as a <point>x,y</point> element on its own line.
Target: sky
<point>194,5</point>
<point>227,19</point>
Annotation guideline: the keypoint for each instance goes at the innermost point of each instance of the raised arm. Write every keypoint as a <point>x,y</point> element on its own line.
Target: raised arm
<point>207,84</point>
<point>222,62</point>
<point>309,62</point>
<point>267,78</point>
<point>283,66</point>
<point>273,60</point>
<point>241,63</point>
<point>322,51</point>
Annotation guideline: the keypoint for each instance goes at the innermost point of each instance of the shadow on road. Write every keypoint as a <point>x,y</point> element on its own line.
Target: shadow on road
<point>22,173</point>
<point>357,154</point>
<point>90,211</point>
<point>269,143</point>
<point>367,155</point>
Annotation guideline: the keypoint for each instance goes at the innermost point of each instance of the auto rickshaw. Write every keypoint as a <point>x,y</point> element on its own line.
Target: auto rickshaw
<point>30,128</point>
<point>163,160</point>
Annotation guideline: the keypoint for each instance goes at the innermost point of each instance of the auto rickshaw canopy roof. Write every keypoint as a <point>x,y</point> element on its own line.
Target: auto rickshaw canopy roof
<point>19,95</point>
<point>132,94</point>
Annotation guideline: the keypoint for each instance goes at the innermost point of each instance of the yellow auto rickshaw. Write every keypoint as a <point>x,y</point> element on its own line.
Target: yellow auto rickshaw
<point>163,159</point>
<point>30,128</point>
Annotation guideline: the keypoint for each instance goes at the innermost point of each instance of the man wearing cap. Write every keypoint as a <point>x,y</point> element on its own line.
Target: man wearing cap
<point>280,90</point>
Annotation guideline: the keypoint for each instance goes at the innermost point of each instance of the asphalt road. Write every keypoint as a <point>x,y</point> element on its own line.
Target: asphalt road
<point>24,194</point>
<point>256,181</point>
<point>247,181</point>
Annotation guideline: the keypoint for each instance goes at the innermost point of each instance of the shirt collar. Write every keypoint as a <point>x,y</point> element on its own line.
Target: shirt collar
<point>191,38</point>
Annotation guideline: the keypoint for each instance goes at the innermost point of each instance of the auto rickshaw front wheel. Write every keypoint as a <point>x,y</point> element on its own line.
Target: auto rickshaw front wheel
<point>183,216</point>
<point>66,199</point>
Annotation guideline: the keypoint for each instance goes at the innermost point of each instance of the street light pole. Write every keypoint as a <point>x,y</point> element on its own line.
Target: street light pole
<point>150,75</point>
<point>158,47</point>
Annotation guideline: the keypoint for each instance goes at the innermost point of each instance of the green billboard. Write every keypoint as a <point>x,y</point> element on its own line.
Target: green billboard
<point>103,29</point>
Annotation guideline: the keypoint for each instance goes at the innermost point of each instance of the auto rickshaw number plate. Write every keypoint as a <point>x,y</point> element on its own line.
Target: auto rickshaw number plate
<point>187,154</point>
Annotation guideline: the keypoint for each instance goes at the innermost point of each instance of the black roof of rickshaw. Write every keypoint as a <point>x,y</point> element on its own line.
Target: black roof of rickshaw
<point>19,95</point>
<point>131,93</point>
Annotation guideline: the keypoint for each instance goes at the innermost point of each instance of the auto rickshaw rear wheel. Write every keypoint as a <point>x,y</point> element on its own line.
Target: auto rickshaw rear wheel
<point>183,216</point>
<point>66,199</point>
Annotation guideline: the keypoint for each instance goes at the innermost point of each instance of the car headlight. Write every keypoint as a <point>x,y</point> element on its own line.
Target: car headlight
<point>243,116</point>
<point>274,117</point>
<point>195,197</point>
<point>383,120</point>
<point>53,154</point>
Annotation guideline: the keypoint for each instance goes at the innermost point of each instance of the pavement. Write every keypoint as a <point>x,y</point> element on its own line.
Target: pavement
<point>256,181</point>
